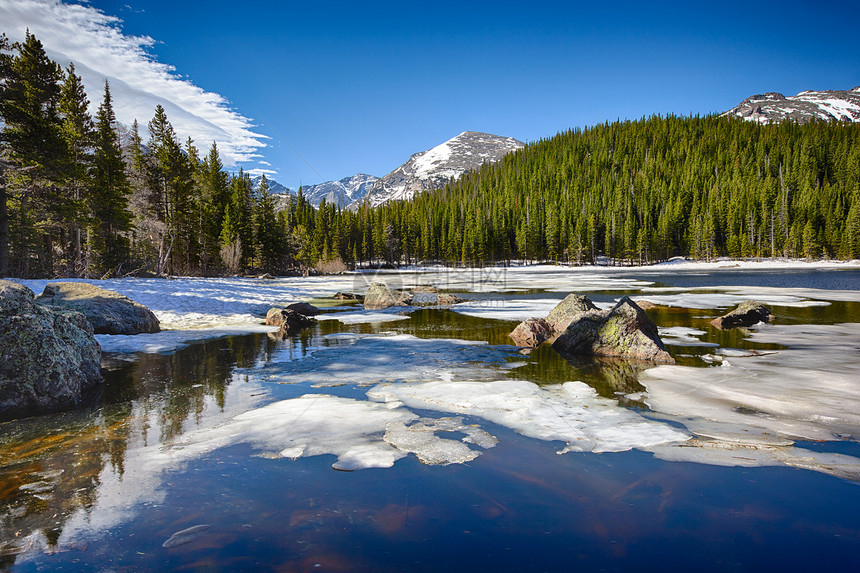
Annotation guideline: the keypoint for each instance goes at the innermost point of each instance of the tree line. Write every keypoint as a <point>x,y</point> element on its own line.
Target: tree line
<point>83,196</point>
<point>638,192</point>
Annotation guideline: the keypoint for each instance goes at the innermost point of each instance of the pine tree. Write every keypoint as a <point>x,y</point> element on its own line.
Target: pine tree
<point>35,147</point>
<point>109,205</point>
<point>78,133</point>
<point>269,237</point>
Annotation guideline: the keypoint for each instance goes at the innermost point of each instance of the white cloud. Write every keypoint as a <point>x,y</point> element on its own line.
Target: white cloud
<point>94,41</point>
<point>256,172</point>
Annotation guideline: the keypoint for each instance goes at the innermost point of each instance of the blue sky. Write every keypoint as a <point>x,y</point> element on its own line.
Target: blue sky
<point>359,86</point>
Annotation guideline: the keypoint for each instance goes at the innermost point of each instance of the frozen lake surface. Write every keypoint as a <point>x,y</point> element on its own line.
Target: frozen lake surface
<point>420,439</point>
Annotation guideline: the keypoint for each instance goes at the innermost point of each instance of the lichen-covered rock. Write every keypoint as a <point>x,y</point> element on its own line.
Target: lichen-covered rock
<point>747,313</point>
<point>49,359</point>
<point>107,311</point>
<point>624,331</point>
<point>288,320</point>
<point>531,333</point>
<point>380,296</point>
<point>304,308</point>
<point>567,310</point>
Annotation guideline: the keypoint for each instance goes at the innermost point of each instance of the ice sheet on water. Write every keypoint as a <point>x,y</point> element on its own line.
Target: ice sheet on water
<point>571,412</point>
<point>809,391</point>
<point>703,300</point>
<point>362,317</point>
<point>362,434</point>
<point>169,341</point>
<point>370,359</point>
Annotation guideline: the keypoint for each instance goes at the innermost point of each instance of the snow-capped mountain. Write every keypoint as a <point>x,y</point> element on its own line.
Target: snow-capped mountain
<point>433,168</point>
<point>342,192</point>
<point>827,105</point>
<point>275,188</point>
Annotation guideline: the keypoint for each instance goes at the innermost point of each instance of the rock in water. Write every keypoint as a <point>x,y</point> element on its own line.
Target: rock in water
<point>346,296</point>
<point>567,310</point>
<point>624,331</point>
<point>304,308</point>
<point>185,536</point>
<point>288,320</point>
<point>109,312</point>
<point>380,296</point>
<point>747,313</point>
<point>531,333</point>
<point>50,358</point>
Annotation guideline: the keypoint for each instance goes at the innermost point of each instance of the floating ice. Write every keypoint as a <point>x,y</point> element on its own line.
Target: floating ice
<point>703,300</point>
<point>168,341</point>
<point>809,391</point>
<point>572,412</point>
<point>683,336</point>
<point>360,433</point>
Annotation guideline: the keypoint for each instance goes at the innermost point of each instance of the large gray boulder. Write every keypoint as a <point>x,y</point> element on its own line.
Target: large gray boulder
<point>107,311</point>
<point>747,313</point>
<point>380,296</point>
<point>624,331</point>
<point>49,359</point>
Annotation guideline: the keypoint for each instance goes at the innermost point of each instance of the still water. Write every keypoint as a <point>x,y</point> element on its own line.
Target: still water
<point>100,489</point>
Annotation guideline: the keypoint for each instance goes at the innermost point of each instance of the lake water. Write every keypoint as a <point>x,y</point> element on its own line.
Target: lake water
<point>424,441</point>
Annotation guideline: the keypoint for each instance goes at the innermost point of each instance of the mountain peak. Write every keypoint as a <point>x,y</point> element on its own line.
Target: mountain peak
<point>433,168</point>
<point>808,105</point>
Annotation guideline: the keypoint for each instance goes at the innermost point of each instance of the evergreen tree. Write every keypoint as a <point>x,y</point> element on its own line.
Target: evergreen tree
<point>35,147</point>
<point>78,133</point>
<point>111,219</point>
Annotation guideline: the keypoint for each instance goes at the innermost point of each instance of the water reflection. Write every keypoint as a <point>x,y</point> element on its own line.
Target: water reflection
<point>52,467</point>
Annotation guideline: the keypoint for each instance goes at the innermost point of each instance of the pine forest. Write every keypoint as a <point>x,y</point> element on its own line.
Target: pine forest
<point>84,196</point>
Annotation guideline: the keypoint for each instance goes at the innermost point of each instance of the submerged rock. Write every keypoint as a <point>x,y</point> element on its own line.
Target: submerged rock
<point>185,536</point>
<point>109,312</point>
<point>380,296</point>
<point>747,313</point>
<point>288,320</point>
<point>531,333</point>
<point>50,358</point>
<point>624,331</point>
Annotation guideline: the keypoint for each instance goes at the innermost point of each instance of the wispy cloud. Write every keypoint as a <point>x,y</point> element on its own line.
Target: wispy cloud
<point>95,42</point>
<point>258,172</point>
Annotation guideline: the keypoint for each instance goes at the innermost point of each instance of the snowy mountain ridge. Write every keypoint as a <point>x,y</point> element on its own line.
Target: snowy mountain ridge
<point>275,188</point>
<point>810,105</point>
<point>433,168</point>
<point>340,193</point>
